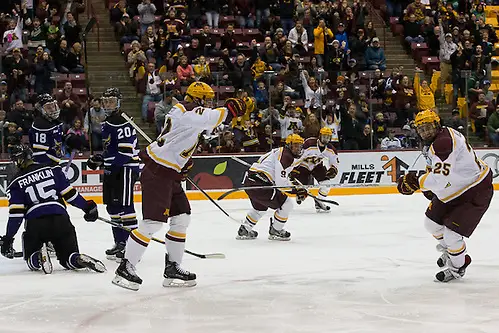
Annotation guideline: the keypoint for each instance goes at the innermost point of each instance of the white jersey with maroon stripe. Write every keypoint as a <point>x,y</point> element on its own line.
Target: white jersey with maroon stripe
<point>314,154</point>
<point>180,134</point>
<point>452,166</point>
<point>276,165</point>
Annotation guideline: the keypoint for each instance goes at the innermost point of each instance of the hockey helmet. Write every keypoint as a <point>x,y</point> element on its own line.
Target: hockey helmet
<point>427,124</point>
<point>21,155</point>
<point>199,93</point>
<point>111,100</point>
<point>47,106</point>
<point>325,135</point>
<point>295,143</point>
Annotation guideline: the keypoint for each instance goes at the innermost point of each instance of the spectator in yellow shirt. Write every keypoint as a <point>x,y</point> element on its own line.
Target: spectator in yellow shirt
<point>425,94</point>
<point>321,34</point>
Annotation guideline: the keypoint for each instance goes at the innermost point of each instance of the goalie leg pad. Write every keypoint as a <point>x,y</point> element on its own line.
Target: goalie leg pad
<point>175,237</point>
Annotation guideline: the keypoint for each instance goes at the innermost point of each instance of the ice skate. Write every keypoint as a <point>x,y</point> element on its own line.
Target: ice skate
<point>176,276</point>
<point>51,250</point>
<point>280,235</point>
<point>126,276</point>
<point>117,252</point>
<point>444,258</point>
<point>453,273</point>
<point>321,207</point>
<point>245,233</point>
<point>45,262</point>
<point>91,263</point>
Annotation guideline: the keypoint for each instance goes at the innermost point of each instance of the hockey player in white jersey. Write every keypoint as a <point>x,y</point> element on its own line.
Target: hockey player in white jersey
<point>459,186</point>
<point>167,162</point>
<point>272,169</point>
<point>320,161</point>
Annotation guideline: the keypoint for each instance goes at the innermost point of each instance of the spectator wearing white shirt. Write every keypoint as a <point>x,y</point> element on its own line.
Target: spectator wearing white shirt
<point>313,93</point>
<point>152,88</point>
<point>12,37</point>
<point>146,11</point>
<point>299,38</point>
<point>391,142</point>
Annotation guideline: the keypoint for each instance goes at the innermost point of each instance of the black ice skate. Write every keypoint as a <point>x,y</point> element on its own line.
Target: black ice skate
<point>176,276</point>
<point>117,252</point>
<point>45,262</point>
<point>280,235</point>
<point>126,276</point>
<point>321,207</point>
<point>453,273</point>
<point>91,263</point>
<point>246,233</point>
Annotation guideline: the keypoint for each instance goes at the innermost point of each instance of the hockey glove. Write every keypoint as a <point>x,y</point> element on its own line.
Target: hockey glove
<point>293,176</point>
<point>408,184</point>
<point>94,162</point>
<point>332,172</point>
<point>301,194</point>
<point>91,211</point>
<point>428,195</point>
<point>6,246</point>
<point>184,173</point>
<point>236,107</point>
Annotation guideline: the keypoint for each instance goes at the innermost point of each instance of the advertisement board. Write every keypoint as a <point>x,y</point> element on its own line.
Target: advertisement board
<point>359,173</point>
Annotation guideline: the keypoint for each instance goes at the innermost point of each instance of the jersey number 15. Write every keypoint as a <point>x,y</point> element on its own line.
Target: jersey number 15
<point>42,191</point>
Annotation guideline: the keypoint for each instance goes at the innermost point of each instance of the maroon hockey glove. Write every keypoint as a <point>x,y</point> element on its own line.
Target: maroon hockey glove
<point>408,184</point>
<point>184,173</point>
<point>332,172</point>
<point>236,106</point>
<point>428,195</point>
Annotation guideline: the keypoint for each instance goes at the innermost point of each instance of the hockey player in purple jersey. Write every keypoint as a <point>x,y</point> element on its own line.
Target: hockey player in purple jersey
<point>37,194</point>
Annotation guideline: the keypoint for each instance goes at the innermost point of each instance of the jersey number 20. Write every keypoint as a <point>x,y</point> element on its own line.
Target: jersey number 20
<point>124,133</point>
<point>42,191</point>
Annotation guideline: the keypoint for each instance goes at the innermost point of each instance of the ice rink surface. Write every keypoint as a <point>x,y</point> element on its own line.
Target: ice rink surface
<point>367,267</point>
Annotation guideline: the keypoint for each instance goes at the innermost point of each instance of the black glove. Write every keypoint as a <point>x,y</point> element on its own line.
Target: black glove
<point>91,211</point>
<point>94,162</point>
<point>293,176</point>
<point>185,170</point>
<point>301,194</point>
<point>332,172</point>
<point>236,107</point>
<point>6,246</point>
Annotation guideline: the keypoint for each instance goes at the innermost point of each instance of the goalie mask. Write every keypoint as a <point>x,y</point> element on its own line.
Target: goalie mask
<point>47,106</point>
<point>111,100</point>
<point>21,155</point>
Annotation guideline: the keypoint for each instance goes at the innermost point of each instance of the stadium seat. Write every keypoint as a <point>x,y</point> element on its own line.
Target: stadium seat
<point>80,92</point>
<point>151,106</point>
<point>77,80</point>
<point>419,50</point>
<point>430,63</point>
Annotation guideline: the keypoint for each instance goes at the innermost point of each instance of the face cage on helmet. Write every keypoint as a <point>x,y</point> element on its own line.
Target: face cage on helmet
<point>296,148</point>
<point>434,128</point>
<point>51,110</point>
<point>108,100</point>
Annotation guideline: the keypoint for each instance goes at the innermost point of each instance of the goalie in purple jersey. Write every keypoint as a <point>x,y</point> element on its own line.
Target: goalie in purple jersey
<point>37,194</point>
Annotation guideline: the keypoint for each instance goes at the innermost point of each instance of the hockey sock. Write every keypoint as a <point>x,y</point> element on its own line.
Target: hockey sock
<point>34,261</point>
<point>72,262</point>
<point>175,237</point>
<point>252,218</point>
<point>281,214</point>
<point>323,192</point>
<point>437,230</point>
<point>120,235</point>
<point>456,247</point>
<point>139,240</point>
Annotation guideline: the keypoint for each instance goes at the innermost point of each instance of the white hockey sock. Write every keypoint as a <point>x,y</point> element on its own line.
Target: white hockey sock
<point>456,247</point>
<point>175,237</point>
<point>281,214</point>
<point>437,231</point>
<point>323,192</point>
<point>139,240</point>
<point>252,218</point>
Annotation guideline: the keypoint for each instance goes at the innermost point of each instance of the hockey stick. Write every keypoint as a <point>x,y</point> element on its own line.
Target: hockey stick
<point>202,256</point>
<point>70,161</point>
<point>299,185</point>
<point>145,136</point>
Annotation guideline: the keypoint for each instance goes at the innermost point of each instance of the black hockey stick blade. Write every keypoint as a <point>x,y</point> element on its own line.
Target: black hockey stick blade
<point>226,194</point>
<point>18,255</point>
<point>324,200</point>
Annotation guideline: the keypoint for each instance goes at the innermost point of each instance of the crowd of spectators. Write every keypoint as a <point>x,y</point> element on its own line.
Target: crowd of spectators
<point>41,46</point>
<point>299,65</point>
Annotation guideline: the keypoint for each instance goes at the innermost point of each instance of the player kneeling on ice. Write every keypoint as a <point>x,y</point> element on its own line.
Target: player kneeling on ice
<point>166,163</point>
<point>320,161</point>
<point>272,169</point>
<point>37,193</point>
<point>459,186</point>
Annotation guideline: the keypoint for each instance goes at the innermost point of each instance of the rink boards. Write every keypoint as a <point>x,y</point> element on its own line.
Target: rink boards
<point>373,172</point>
